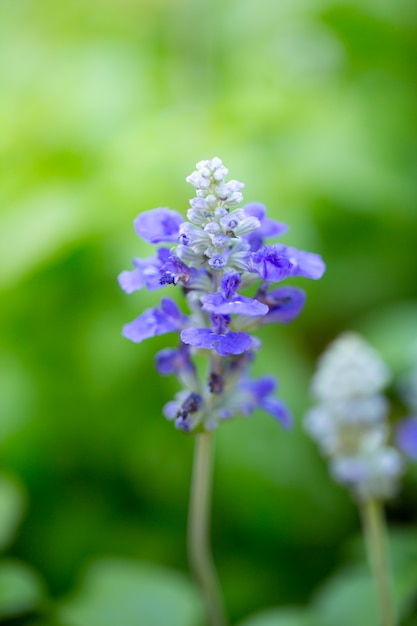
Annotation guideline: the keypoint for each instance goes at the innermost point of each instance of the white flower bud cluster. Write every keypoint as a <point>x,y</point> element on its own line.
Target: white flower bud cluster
<point>215,230</point>
<point>349,422</point>
<point>211,188</point>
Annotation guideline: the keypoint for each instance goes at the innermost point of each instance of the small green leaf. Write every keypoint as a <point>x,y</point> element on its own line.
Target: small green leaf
<point>116,591</point>
<point>348,594</point>
<point>21,589</point>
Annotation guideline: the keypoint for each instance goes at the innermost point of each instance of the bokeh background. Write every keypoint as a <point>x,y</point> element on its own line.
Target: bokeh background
<point>105,108</point>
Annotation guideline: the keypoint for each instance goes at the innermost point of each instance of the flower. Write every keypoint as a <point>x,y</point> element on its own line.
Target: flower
<point>349,421</point>
<point>155,322</point>
<point>260,393</point>
<point>158,225</point>
<point>216,254</point>
<point>147,272</point>
<point>277,262</point>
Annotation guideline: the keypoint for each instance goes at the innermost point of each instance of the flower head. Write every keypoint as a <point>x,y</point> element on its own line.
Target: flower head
<point>349,420</point>
<point>216,254</point>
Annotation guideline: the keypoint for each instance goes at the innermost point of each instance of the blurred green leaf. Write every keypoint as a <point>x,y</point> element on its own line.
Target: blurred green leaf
<point>12,507</point>
<point>351,591</point>
<point>281,617</point>
<point>21,589</point>
<point>133,594</point>
<point>350,595</point>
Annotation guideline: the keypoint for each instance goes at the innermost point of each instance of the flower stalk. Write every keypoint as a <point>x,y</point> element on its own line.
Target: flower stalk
<point>374,527</point>
<point>200,556</point>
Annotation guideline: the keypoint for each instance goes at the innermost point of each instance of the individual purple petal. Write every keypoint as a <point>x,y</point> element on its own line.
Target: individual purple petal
<point>173,360</point>
<point>233,343</point>
<point>277,409</point>
<point>306,264</point>
<point>151,323</point>
<point>155,322</point>
<point>199,337</point>
<point>166,361</point>
<point>285,304</point>
<point>131,281</point>
<point>158,225</point>
<point>240,305</point>
<point>172,311</point>
<point>259,388</point>
<point>406,437</point>
<point>170,409</point>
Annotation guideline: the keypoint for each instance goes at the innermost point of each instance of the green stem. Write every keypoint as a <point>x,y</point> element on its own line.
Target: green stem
<point>376,540</point>
<point>199,530</point>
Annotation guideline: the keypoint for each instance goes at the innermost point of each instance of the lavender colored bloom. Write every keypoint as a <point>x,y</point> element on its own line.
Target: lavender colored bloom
<point>155,322</point>
<point>406,437</point>
<point>277,262</point>
<point>172,360</point>
<point>158,225</point>
<point>259,393</point>
<point>215,255</point>
<point>284,303</point>
<point>147,272</point>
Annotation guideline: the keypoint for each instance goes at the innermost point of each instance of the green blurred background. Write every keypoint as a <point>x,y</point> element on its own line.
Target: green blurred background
<point>105,108</point>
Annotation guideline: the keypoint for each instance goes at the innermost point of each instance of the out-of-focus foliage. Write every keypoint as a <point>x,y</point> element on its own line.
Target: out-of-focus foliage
<point>130,593</point>
<point>105,107</point>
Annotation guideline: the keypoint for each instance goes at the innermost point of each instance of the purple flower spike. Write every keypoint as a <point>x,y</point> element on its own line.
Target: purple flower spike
<point>158,225</point>
<point>155,322</point>
<point>212,257</point>
<point>285,304</point>
<point>406,437</point>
